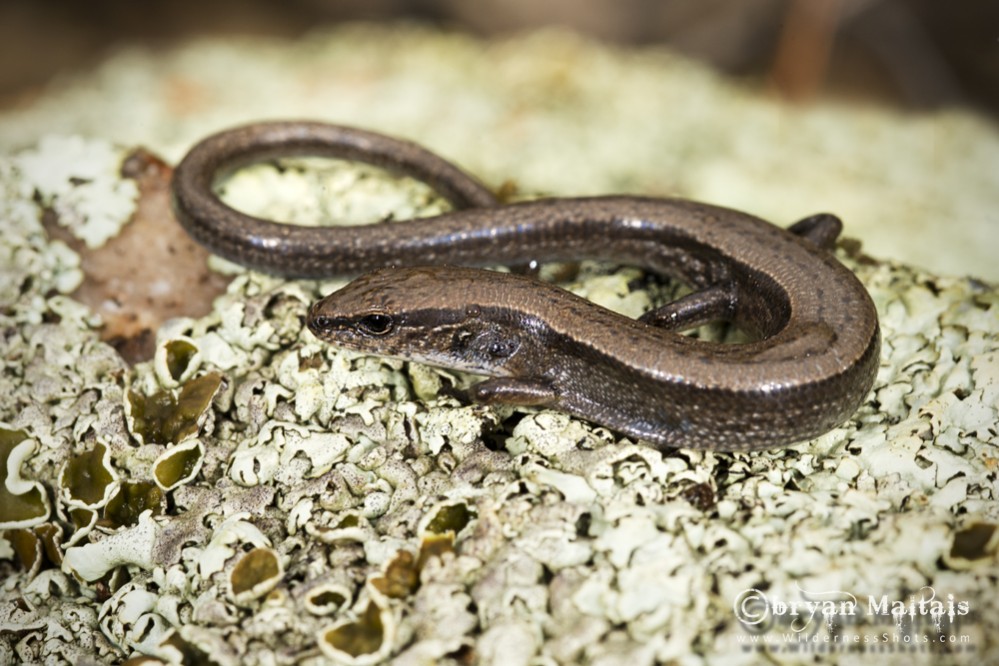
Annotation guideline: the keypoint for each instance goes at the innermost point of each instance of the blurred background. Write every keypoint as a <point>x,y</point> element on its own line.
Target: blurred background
<point>913,54</point>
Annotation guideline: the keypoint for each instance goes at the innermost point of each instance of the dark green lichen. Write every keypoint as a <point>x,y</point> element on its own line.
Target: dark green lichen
<point>86,476</point>
<point>450,518</point>
<point>255,574</point>
<point>974,542</point>
<point>132,498</point>
<point>36,548</point>
<point>402,574</point>
<point>434,545</point>
<point>326,600</point>
<point>178,465</point>
<point>401,577</point>
<point>164,418</point>
<point>81,518</point>
<point>365,636</point>
<point>178,357</point>
<point>350,520</point>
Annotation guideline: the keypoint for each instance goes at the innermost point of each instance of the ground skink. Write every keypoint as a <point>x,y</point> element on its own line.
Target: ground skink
<point>815,342</point>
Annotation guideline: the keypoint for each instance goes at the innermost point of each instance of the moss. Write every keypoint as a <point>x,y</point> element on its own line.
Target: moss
<point>164,418</point>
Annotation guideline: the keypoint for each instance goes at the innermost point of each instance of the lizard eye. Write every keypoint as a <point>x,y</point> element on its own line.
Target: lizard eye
<point>375,324</point>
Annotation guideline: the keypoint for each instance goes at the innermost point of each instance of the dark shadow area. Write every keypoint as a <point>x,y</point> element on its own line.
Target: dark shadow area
<point>914,54</point>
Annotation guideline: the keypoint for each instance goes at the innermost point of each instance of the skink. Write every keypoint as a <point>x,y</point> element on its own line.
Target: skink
<point>815,340</point>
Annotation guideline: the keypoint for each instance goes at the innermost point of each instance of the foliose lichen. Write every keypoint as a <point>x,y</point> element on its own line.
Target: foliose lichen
<point>408,525</point>
<point>23,503</point>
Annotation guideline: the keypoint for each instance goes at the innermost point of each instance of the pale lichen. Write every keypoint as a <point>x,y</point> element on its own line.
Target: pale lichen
<point>81,181</point>
<point>23,502</point>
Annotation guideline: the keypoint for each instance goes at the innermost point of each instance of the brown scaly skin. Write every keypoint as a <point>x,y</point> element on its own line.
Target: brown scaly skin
<point>816,345</point>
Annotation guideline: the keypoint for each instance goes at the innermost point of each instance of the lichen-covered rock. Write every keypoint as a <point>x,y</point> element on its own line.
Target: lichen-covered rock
<point>253,496</point>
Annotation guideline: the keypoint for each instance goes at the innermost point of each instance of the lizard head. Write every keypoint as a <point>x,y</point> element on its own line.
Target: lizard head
<point>445,316</point>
